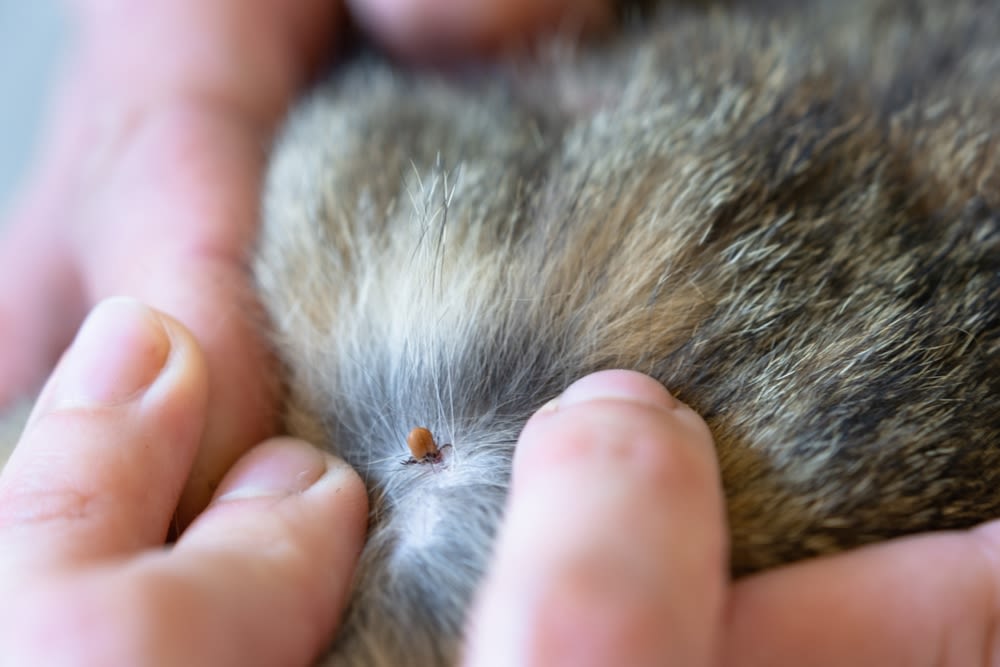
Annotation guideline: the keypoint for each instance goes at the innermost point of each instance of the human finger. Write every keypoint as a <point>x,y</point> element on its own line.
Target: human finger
<point>108,446</point>
<point>613,549</point>
<point>259,579</point>
<point>439,27</point>
<point>273,556</point>
<point>925,600</point>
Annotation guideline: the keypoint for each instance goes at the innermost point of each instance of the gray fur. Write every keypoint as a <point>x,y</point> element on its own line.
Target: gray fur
<point>786,212</point>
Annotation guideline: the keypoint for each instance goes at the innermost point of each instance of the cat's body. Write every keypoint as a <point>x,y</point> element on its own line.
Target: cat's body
<point>789,214</point>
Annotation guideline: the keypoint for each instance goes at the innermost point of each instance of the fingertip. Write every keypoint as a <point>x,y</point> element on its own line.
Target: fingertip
<point>287,491</point>
<point>286,466</point>
<point>126,352</point>
<point>291,471</point>
<point>648,428</point>
<point>121,348</point>
<point>278,467</point>
<point>291,477</point>
<point>110,441</point>
<point>613,549</point>
<point>620,385</point>
<point>435,28</point>
<point>281,538</point>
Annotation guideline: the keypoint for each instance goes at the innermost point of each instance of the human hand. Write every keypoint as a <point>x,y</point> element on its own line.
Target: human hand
<point>614,552</point>
<point>87,498</point>
<point>147,186</point>
<point>148,182</point>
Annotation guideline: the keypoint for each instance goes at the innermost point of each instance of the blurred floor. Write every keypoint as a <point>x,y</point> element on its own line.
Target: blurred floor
<point>32,34</point>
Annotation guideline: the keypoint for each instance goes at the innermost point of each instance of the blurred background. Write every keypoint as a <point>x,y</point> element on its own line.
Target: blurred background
<point>32,35</point>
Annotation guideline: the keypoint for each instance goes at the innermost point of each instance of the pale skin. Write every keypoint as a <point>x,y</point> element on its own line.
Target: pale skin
<point>147,186</point>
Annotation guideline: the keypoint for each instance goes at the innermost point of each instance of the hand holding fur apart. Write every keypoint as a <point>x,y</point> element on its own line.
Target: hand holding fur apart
<point>588,567</point>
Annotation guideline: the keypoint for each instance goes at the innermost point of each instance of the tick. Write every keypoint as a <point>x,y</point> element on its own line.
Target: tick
<point>423,448</point>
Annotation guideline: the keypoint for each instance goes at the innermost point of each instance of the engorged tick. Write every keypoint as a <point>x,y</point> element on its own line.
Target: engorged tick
<point>422,446</point>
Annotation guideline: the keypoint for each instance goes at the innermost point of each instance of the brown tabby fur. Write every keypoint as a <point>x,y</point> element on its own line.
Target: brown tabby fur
<point>786,212</point>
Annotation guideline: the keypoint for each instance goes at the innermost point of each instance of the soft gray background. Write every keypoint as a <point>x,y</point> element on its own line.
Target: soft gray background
<point>32,34</point>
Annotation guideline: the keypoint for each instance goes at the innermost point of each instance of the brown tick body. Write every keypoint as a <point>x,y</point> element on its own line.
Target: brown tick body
<point>422,446</point>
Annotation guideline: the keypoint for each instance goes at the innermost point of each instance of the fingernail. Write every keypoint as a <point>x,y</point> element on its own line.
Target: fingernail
<point>118,352</point>
<point>279,467</point>
<point>551,406</point>
<point>614,385</point>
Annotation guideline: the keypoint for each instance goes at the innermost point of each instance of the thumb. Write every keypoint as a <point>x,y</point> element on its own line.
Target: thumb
<point>271,559</point>
<point>614,550</point>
